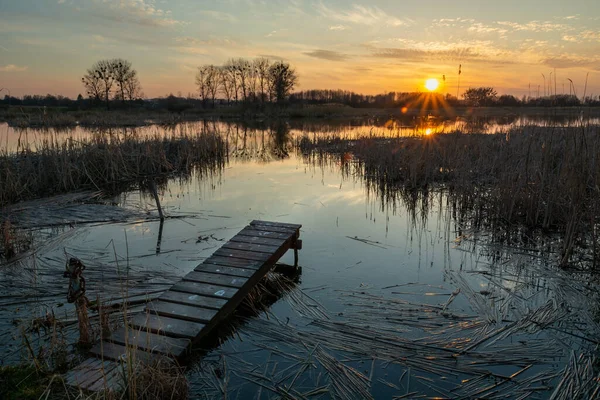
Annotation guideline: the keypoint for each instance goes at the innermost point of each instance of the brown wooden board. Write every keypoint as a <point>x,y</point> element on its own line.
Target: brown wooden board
<point>167,326</point>
<point>111,381</point>
<point>189,313</point>
<point>281,229</point>
<point>204,289</point>
<point>87,372</point>
<point>193,299</point>
<point>231,271</point>
<point>246,255</point>
<point>258,240</point>
<point>277,224</point>
<point>255,247</point>
<point>149,341</point>
<point>249,231</point>
<point>118,352</point>
<point>233,262</point>
<point>216,279</point>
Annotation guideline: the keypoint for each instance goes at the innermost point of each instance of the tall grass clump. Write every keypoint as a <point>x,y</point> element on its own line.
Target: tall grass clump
<point>541,179</point>
<point>103,162</point>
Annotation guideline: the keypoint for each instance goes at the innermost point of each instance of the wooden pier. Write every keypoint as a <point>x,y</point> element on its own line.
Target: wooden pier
<point>187,312</point>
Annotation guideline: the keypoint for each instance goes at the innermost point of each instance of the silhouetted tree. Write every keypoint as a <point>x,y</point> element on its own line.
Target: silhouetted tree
<point>100,79</point>
<point>283,79</point>
<point>481,96</point>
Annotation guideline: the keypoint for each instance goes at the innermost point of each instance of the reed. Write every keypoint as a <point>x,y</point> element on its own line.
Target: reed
<point>533,178</point>
<point>104,162</point>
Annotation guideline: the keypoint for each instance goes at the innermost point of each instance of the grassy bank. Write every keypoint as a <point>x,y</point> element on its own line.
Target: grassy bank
<point>103,162</point>
<point>532,179</point>
<point>61,117</point>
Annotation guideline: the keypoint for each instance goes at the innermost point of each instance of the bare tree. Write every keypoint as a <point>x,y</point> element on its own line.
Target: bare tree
<point>242,70</point>
<point>93,85</point>
<point>262,69</point>
<point>122,74</point>
<point>283,79</point>
<point>133,88</point>
<point>226,85</point>
<point>208,80</point>
<point>100,77</point>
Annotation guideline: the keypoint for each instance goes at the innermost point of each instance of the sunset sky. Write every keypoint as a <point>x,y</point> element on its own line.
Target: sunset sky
<point>365,46</point>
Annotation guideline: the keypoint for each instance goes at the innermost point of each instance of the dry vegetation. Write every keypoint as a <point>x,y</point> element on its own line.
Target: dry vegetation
<point>530,179</point>
<point>103,162</point>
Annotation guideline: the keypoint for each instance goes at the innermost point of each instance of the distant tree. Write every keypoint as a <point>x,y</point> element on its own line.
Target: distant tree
<point>262,66</point>
<point>283,79</point>
<point>481,96</point>
<point>105,74</point>
<point>208,83</point>
<point>508,100</point>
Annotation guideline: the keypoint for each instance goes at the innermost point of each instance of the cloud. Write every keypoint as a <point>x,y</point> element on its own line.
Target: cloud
<point>535,26</point>
<point>218,15</point>
<point>13,68</point>
<point>570,61</point>
<point>362,15</point>
<point>272,57</point>
<point>338,28</point>
<point>211,41</point>
<point>478,27</point>
<point>327,55</point>
<point>139,12</point>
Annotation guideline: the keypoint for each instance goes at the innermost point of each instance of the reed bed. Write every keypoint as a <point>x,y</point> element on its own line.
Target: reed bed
<point>104,162</point>
<point>540,179</point>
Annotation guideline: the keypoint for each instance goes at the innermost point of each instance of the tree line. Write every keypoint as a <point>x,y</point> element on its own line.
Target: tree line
<point>257,81</point>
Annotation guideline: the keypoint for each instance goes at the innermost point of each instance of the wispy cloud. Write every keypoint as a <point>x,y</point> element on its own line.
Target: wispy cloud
<point>218,15</point>
<point>536,26</point>
<point>327,55</point>
<point>13,68</point>
<point>140,12</point>
<point>338,28</point>
<point>363,15</point>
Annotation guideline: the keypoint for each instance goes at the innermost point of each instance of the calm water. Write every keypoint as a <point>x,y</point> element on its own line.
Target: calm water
<point>366,263</point>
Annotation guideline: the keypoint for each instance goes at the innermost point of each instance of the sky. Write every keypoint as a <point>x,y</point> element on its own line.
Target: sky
<point>367,46</point>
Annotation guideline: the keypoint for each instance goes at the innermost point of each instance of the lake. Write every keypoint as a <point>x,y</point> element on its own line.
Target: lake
<point>395,298</point>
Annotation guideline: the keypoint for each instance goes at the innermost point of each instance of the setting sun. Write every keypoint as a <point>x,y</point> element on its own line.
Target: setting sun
<point>432,84</point>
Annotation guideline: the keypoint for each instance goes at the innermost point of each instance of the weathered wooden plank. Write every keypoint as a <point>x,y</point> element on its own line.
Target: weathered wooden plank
<point>98,374</point>
<point>250,231</point>
<point>254,247</point>
<point>246,255</point>
<point>149,341</point>
<point>84,372</point>
<point>215,279</point>
<point>219,269</point>
<point>280,229</point>
<point>233,262</point>
<point>193,299</point>
<point>204,289</point>
<point>167,326</point>
<point>276,224</point>
<point>180,311</point>
<point>258,239</point>
<point>118,352</point>
<point>111,381</point>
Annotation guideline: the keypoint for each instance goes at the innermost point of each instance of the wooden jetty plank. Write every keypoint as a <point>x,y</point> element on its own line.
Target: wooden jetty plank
<point>233,262</point>
<point>111,381</point>
<point>246,255</point>
<point>250,231</point>
<point>216,279</point>
<point>231,271</point>
<point>179,311</point>
<point>271,228</point>
<point>193,299</point>
<point>173,327</point>
<point>276,224</point>
<point>204,289</point>
<point>88,370</point>
<point>258,240</point>
<point>256,247</point>
<point>118,352</point>
<point>149,341</point>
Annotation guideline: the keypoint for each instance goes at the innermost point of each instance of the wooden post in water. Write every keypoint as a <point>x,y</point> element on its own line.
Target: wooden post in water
<point>152,187</point>
<point>76,294</point>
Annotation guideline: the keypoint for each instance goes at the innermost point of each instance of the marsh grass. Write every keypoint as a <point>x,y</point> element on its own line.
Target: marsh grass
<point>103,162</point>
<point>531,179</point>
